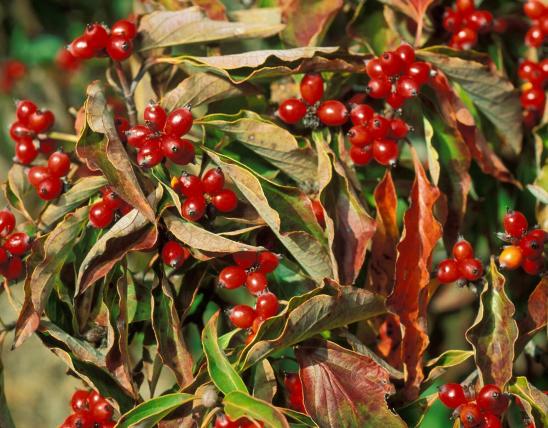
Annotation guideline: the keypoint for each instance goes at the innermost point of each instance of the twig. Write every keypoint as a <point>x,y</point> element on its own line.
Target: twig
<point>128,96</point>
<point>61,136</point>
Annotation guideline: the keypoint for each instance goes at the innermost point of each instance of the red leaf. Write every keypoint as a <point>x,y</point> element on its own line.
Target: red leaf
<point>408,300</point>
<point>342,388</point>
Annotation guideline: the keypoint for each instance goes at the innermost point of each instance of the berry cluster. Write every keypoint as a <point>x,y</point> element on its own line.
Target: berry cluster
<point>526,247</point>
<point>102,213</point>
<point>199,192</point>
<point>160,136</point>
<point>463,267</point>
<point>309,109</point>
<point>98,40</point>
<point>66,61</point>
<point>223,421</point>
<point>294,388</point>
<point>465,22</point>
<point>90,410</point>
<point>251,270</point>
<point>15,246</point>
<point>11,71</point>
<point>31,124</point>
<point>174,254</point>
<point>374,136</point>
<point>481,411</point>
<point>538,32</point>
<point>534,75</point>
<point>47,180</point>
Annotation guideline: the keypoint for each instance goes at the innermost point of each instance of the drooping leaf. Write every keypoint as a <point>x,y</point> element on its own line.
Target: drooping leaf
<point>344,389</point>
<point>494,332</point>
<point>531,399</point>
<point>222,373</point>
<point>420,234</point>
<point>238,404</point>
<point>440,364</point>
<point>190,26</point>
<point>537,313</point>
<point>149,413</point>
<point>20,193</point>
<point>307,21</point>
<point>101,149</point>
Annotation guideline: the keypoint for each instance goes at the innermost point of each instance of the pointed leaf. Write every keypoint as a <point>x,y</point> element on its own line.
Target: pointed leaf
<point>537,313</point>
<point>531,398</point>
<point>151,412</point>
<point>440,364</point>
<point>238,404</point>
<point>20,193</point>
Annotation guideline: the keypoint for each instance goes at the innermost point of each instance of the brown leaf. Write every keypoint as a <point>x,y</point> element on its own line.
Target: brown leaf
<point>307,21</point>
<point>344,389</point>
<point>100,148</point>
<point>537,313</point>
<point>20,194</point>
<point>494,332</point>
<point>420,234</point>
<point>382,266</point>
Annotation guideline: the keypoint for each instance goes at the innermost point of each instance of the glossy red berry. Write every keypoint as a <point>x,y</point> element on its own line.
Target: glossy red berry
<point>7,222</point>
<point>451,20</point>
<point>515,224</point>
<point>18,131</point>
<point>138,136</point>
<point>267,262</point>
<point>292,111</point>
<point>373,68</point>
<point>491,421</point>
<point>24,109</point>
<point>534,9</point>
<point>59,164</point>
<point>267,305</point>
<point>40,121</point>
<point>538,234</point>
<point>94,397</point>
<point>312,88</point>
<point>471,269</point>
<point>178,122</point>
<point>256,282</point>
<point>491,400</point>
<point>96,36</point>
<point>385,152</point>
<point>332,113</point>
<point>223,421</point>
<point>448,271</point>
<point>122,126</point>
<point>480,21</point>
<point>242,316</point>
<point>245,259</point>
<point>18,243</point>
<point>50,188</point>
<point>378,127</point>
<point>179,151</point>
<point>25,151</point>
<point>174,254</point>
<point>79,400</point>
<point>225,201</point>
<point>102,411</point>
<point>407,87</point>
<point>232,277</point>
<point>361,155</point>
<point>395,100</point>
<point>533,98</point>
<point>124,28</point>
<point>406,54</point>
<point>213,181</point>
<point>359,136</point>
<point>531,246</point>
<point>463,250</point>
<point>379,87</point>
<point>150,155</point>
<point>155,116</point>
<point>111,199</point>
<point>391,63</point>
<point>100,215</point>
<point>191,185</point>
<point>470,415</point>
<point>13,268</point>
<point>452,395</point>
<point>532,266</point>
<point>193,208</point>
<point>534,37</point>
<point>465,6</point>
<point>66,61</point>
<point>81,49</point>
<point>420,72</point>
<point>119,48</point>
<point>361,114</point>
<point>398,128</point>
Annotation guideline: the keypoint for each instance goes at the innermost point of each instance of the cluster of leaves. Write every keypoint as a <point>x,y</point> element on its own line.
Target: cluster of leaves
<point>102,301</point>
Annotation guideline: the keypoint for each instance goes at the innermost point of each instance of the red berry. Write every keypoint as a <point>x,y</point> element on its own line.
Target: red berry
<point>267,261</point>
<point>452,395</point>
<point>93,398</point>
<point>407,87</point>
<point>50,188</point>
<point>18,131</point>
<point>361,114</point>
<point>531,246</point>
<point>534,9</point>
<point>385,152</point>
<point>515,224</point>
<point>332,113</point>
<point>532,266</point>
<point>538,234</point>
<point>256,324</point>
<point>18,243</point>
<point>471,269</point>
<point>59,164</point>
<point>122,126</point>
<point>420,72</point>
<point>480,20</point>
<point>193,208</point>
<point>267,305</point>
<point>12,269</point>
<point>533,98</point>
<point>96,36</point>
<point>379,127</point>
<point>463,250</point>
<point>491,421</point>
<point>66,61</point>
<point>225,201</point>
<point>111,199</point>
<point>79,420</point>
<point>510,257</point>
<point>395,100</point>
<point>81,49</point>
<point>256,282</point>
<point>451,20</point>
<point>4,256</point>
<point>7,222</point>
<point>191,185</point>
<point>359,136</point>
<point>124,28</point>
<point>47,146</point>
<point>242,316</point>
<point>292,111</point>
<point>391,63</point>
<point>150,155</point>
<point>79,400</point>
<point>179,151</point>
<point>138,136</point>
<point>25,151</point>
<point>406,54</point>
<point>448,271</point>
<point>24,109</point>
<point>491,400</point>
<point>245,259</point>
<point>179,122</point>
<point>223,421</point>
<point>398,128</point>
<point>361,155</point>
<point>40,121</point>
<point>374,69</point>
<point>174,254</point>
<point>292,383</point>
<point>102,411</point>
<point>526,68</point>
<point>213,181</point>
<point>312,88</point>
<point>465,6</point>
<point>534,37</point>
<point>100,215</point>
<point>379,87</point>
<point>155,116</point>
<point>119,48</point>
<point>232,277</point>
<point>470,415</point>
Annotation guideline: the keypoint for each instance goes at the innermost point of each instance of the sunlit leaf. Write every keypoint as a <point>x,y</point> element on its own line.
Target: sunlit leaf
<point>239,404</point>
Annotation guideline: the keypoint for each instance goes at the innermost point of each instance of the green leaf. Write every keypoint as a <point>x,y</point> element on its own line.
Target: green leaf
<point>531,398</point>
<point>20,193</point>
<point>149,413</point>
<point>238,404</point>
<point>223,375</point>
<point>414,412</point>
<point>494,332</point>
<point>440,364</point>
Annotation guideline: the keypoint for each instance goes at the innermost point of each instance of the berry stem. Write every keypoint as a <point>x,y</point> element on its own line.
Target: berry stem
<point>418,34</point>
<point>126,91</point>
<point>61,136</point>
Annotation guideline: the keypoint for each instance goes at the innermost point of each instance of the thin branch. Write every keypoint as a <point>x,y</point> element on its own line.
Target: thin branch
<point>61,136</point>
<point>128,96</point>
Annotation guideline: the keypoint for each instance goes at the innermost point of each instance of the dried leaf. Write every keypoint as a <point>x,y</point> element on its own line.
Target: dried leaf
<point>264,381</point>
<point>537,313</point>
